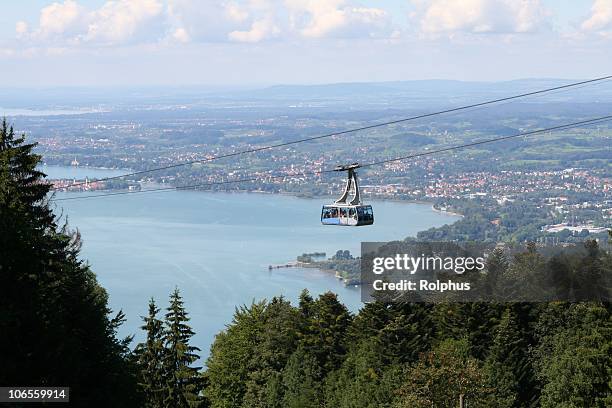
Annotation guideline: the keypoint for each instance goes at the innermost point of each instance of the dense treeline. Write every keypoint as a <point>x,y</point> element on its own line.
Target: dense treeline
<point>412,355</point>
<point>56,329</point>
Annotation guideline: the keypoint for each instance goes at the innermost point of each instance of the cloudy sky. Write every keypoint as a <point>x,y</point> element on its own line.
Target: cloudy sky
<point>260,42</point>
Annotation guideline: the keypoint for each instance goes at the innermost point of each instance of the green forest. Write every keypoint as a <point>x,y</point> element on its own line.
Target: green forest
<point>56,329</point>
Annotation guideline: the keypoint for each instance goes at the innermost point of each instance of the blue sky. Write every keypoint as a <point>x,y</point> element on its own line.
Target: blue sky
<point>261,42</point>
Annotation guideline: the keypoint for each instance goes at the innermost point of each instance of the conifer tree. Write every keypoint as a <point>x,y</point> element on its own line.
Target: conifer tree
<point>182,382</point>
<point>507,366</point>
<point>325,331</point>
<point>592,279</point>
<point>302,381</point>
<point>574,356</point>
<point>21,184</point>
<point>363,380</point>
<point>408,333</point>
<point>151,356</point>
<point>474,322</point>
<point>372,317</point>
<point>306,303</point>
<point>496,267</point>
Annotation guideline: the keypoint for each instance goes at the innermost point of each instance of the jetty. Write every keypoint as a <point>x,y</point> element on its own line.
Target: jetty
<point>293,264</point>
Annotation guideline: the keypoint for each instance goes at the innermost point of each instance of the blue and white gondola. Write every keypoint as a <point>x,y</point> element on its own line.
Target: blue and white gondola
<point>348,213</point>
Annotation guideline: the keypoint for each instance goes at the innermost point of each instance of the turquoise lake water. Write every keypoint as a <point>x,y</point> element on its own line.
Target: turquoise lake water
<point>216,247</point>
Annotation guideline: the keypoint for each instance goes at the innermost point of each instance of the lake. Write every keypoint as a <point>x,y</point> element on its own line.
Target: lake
<point>216,247</point>
<point>79,173</point>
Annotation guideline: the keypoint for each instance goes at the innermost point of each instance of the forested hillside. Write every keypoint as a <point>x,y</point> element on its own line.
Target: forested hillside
<point>412,355</point>
<point>55,325</point>
<point>56,329</point>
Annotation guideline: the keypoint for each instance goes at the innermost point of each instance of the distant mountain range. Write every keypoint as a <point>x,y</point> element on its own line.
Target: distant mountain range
<point>371,92</point>
<point>431,89</point>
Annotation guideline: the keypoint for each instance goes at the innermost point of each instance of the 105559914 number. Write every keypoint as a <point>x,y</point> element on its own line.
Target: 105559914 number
<point>34,394</point>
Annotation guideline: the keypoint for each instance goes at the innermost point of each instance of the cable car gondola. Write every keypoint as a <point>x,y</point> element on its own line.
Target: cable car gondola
<point>352,213</point>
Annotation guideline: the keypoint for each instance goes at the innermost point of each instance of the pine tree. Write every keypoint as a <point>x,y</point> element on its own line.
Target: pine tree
<point>301,381</point>
<point>21,183</point>
<point>306,303</point>
<point>472,321</point>
<point>363,380</point>
<point>561,277</point>
<point>151,355</point>
<point>408,333</point>
<point>372,317</point>
<point>182,382</point>
<point>507,366</point>
<point>325,331</point>
<point>574,356</point>
<point>592,282</point>
<point>496,267</point>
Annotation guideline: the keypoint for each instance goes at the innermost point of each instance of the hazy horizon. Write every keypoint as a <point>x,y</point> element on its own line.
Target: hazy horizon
<point>264,85</point>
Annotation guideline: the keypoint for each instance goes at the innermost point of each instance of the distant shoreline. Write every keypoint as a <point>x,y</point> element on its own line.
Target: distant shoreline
<point>283,193</point>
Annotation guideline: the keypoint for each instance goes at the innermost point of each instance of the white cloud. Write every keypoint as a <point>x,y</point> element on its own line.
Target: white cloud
<point>118,22</point>
<point>122,20</point>
<point>321,18</point>
<point>600,19</point>
<point>259,20</point>
<point>236,13</point>
<point>260,30</point>
<point>208,21</point>
<point>60,19</point>
<point>480,16</point>
<point>115,22</point>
